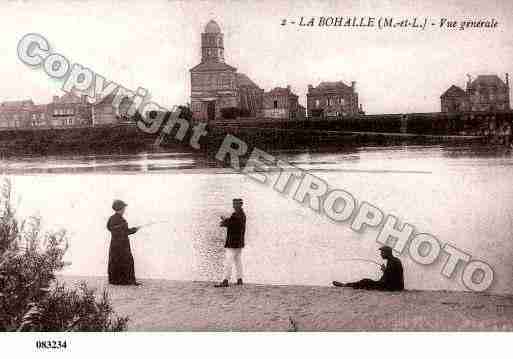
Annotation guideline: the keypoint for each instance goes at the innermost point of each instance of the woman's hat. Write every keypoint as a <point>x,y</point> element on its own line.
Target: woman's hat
<point>386,249</point>
<point>118,205</point>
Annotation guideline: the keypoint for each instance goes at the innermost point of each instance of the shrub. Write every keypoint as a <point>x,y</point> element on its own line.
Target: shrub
<point>30,297</point>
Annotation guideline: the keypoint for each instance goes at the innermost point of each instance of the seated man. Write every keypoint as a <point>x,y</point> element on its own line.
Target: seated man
<point>391,280</point>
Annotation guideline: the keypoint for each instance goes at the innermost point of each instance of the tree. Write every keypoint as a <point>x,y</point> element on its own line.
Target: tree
<point>30,297</point>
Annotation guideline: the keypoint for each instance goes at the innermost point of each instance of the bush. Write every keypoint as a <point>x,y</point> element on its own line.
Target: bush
<point>30,297</point>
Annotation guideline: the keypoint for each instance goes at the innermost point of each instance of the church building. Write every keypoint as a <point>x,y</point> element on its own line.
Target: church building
<point>215,85</point>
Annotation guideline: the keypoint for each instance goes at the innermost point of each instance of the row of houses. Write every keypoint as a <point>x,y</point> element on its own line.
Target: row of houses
<point>67,110</point>
<point>484,93</point>
<point>216,86</point>
<point>218,89</point>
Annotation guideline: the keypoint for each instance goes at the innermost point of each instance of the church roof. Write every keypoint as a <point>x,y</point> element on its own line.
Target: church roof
<point>243,80</point>
<point>212,27</point>
<point>212,66</point>
<point>454,91</point>
<point>487,81</point>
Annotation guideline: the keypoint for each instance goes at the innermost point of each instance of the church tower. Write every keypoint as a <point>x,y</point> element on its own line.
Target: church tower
<point>212,46</point>
<point>216,86</point>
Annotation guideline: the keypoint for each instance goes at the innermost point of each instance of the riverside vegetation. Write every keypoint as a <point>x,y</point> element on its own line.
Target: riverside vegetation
<point>31,299</point>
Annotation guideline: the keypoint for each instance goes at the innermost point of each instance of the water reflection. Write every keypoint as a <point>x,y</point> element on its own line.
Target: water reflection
<point>329,159</point>
<point>460,194</point>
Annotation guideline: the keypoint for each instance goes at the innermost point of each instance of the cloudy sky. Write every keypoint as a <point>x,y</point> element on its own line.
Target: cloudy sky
<point>154,43</point>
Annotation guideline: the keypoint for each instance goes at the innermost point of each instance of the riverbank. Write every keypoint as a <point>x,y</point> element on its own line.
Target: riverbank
<point>270,135</point>
<point>165,305</point>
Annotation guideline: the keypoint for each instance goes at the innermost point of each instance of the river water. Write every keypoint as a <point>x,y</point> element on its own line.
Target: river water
<point>461,195</point>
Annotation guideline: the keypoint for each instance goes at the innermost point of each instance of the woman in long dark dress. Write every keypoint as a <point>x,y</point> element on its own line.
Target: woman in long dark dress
<point>121,262</point>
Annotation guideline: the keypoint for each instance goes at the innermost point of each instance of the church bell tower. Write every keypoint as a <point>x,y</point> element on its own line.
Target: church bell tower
<point>212,47</point>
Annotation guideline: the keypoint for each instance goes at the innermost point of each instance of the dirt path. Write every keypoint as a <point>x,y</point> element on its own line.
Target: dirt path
<point>163,305</point>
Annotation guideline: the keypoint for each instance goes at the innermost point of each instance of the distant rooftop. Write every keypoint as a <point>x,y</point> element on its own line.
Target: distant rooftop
<point>488,80</point>
<point>327,84</point>
<point>454,91</point>
<point>281,91</point>
<point>17,104</point>
<point>330,86</point>
<point>68,97</point>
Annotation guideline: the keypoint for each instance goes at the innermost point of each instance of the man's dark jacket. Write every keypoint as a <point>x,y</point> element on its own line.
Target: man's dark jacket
<point>236,228</point>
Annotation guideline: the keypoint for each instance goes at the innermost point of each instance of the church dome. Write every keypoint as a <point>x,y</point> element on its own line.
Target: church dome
<point>212,27</point>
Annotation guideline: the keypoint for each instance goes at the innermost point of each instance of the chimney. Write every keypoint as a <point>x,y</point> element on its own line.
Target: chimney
<point>469,80</point>
<point>353,85</point>
<point>507,79</point>
<point>55,99</point>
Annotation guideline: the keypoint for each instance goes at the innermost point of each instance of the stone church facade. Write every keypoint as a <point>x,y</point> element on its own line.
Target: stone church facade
<point>215,85</point>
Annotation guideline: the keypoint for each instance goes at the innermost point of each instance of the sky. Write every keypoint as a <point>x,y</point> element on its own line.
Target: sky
<point>154,43</point>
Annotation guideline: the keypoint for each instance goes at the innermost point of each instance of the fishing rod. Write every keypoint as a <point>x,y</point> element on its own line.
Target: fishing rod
<point>152,223</point>
<point>361,260</point>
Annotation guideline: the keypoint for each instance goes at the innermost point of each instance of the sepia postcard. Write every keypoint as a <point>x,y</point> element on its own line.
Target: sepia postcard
<point>255,166</point>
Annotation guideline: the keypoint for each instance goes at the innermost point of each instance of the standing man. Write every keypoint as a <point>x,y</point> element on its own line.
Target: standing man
<point>391,280</point>
<point>121,262</point>
<point>236,228</point>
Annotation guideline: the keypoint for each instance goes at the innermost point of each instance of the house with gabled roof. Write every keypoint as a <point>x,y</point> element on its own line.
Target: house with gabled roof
<point>281,103</point>
<point>455,99</point>
<point>484,93</point>
<point>15,114</point>
<point>332,99</point>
